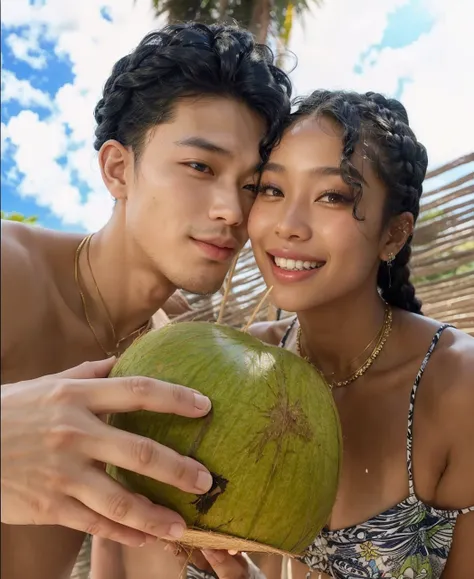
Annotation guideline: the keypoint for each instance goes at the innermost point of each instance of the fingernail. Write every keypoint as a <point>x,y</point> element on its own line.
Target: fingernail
<point>176,531</point>
<point>232,552</point>
<point>204,481</point>
<point>202,402</point>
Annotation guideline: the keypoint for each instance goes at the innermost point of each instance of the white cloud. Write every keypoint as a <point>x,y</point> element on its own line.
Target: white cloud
<point>439,65</point>
<point>26,48</point>
<point>21,91</point>
<point>5,141</point>
<point>329,46</point>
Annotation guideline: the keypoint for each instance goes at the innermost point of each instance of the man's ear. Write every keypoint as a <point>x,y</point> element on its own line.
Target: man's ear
<point>399,230</point>
<point>116,166</point>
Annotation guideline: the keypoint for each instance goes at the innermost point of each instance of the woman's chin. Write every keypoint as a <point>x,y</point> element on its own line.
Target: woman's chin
<point>283,300</point>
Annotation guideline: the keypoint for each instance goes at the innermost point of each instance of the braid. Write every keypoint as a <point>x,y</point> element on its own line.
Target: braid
<point>381,125</point>
<point>190,60</point>
<point>394,282</point>
<point>406,159</point>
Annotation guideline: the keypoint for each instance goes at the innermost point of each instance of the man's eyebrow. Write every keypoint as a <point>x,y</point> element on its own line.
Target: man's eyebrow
<point>204,144</point>
<point>325,171</point>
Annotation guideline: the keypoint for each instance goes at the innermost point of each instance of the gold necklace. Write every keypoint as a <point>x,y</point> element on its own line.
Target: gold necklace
<point>142,329</point>
<point>384,334</point>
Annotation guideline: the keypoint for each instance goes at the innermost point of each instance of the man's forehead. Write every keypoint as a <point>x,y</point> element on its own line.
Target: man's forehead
<point>223,121</point>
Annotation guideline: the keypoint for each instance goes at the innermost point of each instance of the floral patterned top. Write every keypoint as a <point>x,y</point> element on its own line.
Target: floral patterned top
<point>408,541</point>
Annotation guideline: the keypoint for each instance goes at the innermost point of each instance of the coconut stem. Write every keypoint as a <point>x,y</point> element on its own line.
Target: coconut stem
<point>256,310</point>
<point>228,285</point>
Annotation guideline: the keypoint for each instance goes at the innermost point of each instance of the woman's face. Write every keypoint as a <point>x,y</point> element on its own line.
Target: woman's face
<point>307,243</point>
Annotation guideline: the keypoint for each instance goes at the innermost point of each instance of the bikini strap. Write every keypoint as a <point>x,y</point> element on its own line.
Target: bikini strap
<point>433,344</point>
<point>287,333</point>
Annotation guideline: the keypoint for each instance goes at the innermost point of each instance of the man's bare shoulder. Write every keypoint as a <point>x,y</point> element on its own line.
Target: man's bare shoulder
<point>270,332</point>
<point>22,289</point>
<point>20,257</point>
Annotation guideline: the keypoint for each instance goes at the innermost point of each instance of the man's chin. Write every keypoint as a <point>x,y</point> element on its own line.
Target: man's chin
<point>202,287</point>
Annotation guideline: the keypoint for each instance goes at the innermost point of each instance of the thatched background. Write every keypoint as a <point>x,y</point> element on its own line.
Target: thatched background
<point>442,262</point>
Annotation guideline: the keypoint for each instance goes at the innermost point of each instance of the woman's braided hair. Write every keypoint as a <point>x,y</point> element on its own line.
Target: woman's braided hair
<point>381,127</point>
<point>190,60</point>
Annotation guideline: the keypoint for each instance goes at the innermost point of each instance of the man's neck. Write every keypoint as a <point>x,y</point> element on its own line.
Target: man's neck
<point>334,336</point>
<point>119,283</point>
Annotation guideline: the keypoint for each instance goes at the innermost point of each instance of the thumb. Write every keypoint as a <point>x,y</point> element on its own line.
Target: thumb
<point>96,369</point>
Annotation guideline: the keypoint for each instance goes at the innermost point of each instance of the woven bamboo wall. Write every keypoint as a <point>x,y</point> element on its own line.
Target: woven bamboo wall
<point>442,262</point>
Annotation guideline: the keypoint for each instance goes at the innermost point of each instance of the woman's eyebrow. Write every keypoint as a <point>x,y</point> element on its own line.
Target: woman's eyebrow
<point>320,171</point>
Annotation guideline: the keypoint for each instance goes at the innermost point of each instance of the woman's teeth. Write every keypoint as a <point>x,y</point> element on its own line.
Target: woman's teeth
<point>292,264</point>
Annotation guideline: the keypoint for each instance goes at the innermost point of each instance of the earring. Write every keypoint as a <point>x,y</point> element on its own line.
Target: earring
<point>389,262</point>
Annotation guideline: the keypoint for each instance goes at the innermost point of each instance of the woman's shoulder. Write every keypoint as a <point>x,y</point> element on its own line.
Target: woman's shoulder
<point>454,360</point>
<point>452,349</point>
<point>448,386</point>
<point>453,373</point>
<point>271,332</point>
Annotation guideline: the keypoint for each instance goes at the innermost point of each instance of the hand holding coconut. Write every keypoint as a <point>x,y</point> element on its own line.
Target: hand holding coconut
<point>54,445</point>
<point>226,566</point>
<point>209,563</point>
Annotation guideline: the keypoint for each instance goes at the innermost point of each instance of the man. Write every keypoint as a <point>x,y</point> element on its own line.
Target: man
<point>182,126</point>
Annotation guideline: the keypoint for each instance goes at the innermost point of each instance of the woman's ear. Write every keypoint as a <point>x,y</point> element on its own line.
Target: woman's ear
<point>115,162</point>
<point>399,230</point>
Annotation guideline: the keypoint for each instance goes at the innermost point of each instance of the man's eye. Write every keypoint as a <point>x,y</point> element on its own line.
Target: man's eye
<point>201,167</point>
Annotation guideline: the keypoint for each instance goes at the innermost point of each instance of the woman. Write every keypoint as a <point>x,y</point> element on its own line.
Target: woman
<point>331,229</point>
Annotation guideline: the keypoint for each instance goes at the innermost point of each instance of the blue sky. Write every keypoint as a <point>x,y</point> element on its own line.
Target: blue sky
<point>56,73</point>
<point>56,57</point>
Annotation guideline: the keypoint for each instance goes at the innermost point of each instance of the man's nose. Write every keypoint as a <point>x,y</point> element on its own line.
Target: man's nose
<point>227,206</point>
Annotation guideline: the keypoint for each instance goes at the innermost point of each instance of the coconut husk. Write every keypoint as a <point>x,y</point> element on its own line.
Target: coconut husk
<point>199,539</point>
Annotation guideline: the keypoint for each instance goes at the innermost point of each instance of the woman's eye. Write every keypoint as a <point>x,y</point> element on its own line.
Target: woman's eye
<point>251,187</point>
<point>201,167</point>
<point>334,198</point>
<point>269,191</point>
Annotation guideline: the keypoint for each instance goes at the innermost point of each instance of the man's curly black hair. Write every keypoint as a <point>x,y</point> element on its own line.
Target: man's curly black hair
<point>187,60</point>
<point>381,127</point>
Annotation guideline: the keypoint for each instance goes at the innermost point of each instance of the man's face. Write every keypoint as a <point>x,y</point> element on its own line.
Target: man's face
<point>189,195</point>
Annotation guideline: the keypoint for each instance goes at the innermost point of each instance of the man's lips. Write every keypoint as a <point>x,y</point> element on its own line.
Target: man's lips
<point>217,249</point>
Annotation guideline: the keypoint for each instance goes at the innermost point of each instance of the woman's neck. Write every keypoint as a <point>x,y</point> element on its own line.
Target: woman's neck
<point>335,336</point>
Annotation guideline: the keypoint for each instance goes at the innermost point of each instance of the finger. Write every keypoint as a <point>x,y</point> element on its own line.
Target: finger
<point>112,501</point>
<point>197,559</point>
<point>96,369</point>
<point>76,515</point>
<point>141,393</point>
<point>145,456</point>
<point>226,566</point>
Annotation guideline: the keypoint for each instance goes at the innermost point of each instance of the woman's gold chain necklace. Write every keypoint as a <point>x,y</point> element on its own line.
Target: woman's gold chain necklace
<point>383,335</point>
<point>85,243</point>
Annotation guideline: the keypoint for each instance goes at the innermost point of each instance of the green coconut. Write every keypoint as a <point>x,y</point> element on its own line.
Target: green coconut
<point>272,440</point>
